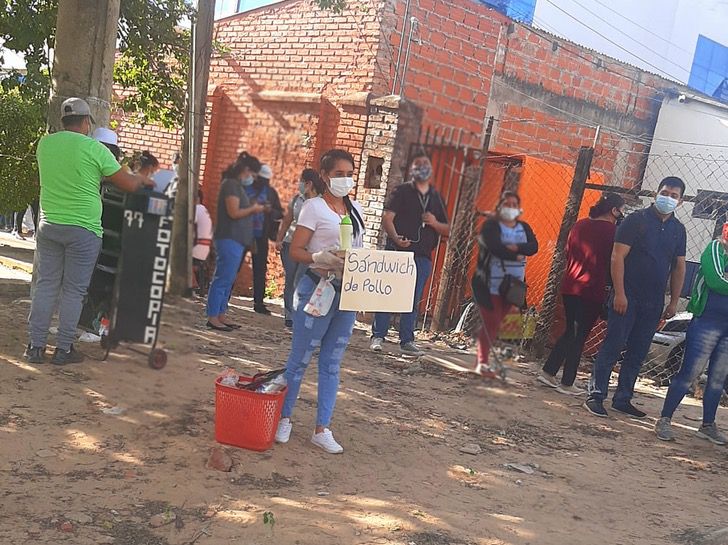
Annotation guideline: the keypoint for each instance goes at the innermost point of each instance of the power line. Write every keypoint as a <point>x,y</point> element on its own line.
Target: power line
<point>642,27</point>
<point>582,6</point>
<point>543,26</point>
<point>613,42</point>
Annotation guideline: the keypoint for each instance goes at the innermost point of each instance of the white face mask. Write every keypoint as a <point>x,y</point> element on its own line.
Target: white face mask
<point>509,214</point>
<point>340,187</point>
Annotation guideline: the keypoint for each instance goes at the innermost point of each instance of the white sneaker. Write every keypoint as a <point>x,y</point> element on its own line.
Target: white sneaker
<point>326,441</point>
<point>548,380</point>
<point>283,433</point>
<point>570,390</point>
<point>376,344</point>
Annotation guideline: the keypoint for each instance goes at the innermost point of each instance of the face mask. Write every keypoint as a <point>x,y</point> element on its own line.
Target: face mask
<point>302,188</point>
<point>247,181</point>
<point>421,173</point>
<point>665,204</point>
<point>509,214</point>
<point>340,187</point>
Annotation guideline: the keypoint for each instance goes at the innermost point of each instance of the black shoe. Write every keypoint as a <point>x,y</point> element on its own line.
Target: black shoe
<point>226,329</point>
<point>260,309</point>
<point>289,323</point>
<point>63,357</point>
<point>233,326</point>
<point>596,408</point>
<point>629,409</point>
<point>34,354</point>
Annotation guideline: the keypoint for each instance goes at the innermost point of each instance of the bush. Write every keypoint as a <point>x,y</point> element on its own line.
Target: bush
<point>22,123</point>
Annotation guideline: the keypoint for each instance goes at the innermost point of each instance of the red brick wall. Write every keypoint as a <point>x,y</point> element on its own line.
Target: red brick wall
<point>453,71</point>
<point>292,48</point>
<point>161,142</point>
<point>450,71</point>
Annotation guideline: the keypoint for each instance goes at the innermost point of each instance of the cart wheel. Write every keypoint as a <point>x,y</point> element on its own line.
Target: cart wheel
<point>157,358</point>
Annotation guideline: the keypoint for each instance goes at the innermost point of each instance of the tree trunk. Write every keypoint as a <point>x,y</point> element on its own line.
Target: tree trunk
<point>180,280</point>
<point>83,63</point>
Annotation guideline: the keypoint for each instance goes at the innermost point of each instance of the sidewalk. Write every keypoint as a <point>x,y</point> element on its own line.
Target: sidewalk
<point>16,254</point>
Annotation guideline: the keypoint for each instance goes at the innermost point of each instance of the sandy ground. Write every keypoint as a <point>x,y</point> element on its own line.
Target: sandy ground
<point>71,473</point>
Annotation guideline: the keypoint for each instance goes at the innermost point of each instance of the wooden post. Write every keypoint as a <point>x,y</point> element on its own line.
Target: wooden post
<point>558,263</point>
<point>180,279</point>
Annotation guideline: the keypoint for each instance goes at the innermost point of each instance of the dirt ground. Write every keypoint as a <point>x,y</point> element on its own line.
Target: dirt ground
<point>72,473</point>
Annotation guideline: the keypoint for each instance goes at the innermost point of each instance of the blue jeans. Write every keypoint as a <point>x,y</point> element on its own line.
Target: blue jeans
<point>706,344</point>
<point>330,334</point>
<point>632,332</point>
<point>407,321</point>
<point>228,255</point>
<point>293,270</point>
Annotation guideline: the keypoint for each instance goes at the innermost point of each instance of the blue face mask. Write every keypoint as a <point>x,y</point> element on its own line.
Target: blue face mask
<point>665,204</point>
<point>302,187</point>
<point>247,181</point>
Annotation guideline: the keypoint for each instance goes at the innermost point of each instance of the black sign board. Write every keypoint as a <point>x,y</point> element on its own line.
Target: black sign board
<point>142,275</point>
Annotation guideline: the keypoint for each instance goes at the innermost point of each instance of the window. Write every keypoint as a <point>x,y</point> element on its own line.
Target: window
<point>710,65</point>
<point>226,8</point>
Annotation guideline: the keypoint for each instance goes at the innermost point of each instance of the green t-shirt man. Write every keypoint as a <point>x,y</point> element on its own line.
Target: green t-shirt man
<point>71,166</point>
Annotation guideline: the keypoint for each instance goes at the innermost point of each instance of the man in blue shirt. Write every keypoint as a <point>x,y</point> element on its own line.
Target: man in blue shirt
<point>649,248</point>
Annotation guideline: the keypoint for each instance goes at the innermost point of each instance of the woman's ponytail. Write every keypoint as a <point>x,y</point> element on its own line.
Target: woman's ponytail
<point>357,222</point>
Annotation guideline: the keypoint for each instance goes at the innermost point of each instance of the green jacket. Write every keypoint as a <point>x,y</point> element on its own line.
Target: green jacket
<point>711,277</point>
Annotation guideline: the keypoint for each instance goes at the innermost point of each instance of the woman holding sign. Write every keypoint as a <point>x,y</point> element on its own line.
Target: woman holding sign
<point>504,244</point>
<point>317,321</point>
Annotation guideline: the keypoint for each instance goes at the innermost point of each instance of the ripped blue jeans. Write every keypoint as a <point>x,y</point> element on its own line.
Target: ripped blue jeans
<point>706,344</point>
<point>329,334</point>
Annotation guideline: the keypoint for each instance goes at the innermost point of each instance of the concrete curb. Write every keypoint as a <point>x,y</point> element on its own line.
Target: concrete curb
<point>16,264</point>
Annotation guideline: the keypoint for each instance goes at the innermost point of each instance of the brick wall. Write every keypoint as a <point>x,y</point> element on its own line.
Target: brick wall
<point>290,88</point>
<point>161,142</point>
<point>547,94</point>
<point>450,58</point>
<point>297,81</point>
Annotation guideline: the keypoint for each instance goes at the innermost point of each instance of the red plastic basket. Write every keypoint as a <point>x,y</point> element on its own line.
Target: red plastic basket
<point>246,419</point>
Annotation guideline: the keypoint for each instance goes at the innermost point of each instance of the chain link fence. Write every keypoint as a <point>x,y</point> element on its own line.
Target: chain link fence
<point>703,212</point>
<point>557,186</point>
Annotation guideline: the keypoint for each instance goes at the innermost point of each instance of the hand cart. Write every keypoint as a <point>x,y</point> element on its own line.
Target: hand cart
<point>126,294</point>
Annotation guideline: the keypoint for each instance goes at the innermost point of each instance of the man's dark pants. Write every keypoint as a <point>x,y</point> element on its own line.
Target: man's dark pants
<point>632,332</point>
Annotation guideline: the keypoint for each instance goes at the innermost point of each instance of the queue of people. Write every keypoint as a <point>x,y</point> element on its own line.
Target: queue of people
<point>615,263</point>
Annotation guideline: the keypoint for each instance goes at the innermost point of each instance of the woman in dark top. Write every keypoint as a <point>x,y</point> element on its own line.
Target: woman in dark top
<point>233,233</point>
<point>504,244</point>
<point>583,289</point>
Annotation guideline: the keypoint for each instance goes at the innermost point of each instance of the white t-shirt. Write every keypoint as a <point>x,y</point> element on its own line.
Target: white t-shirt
<point>324,222</point>
<point>204,231</point>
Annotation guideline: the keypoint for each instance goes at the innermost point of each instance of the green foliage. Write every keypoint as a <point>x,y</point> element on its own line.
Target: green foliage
<point>28,27</point>
<point>337,6</point>
<point>269,520</point>
<point>154,59</point>
<point>154,53</point>
<point>21,124</point>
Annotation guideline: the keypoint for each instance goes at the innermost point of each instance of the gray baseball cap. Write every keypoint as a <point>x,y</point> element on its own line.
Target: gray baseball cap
<point>76,106</point>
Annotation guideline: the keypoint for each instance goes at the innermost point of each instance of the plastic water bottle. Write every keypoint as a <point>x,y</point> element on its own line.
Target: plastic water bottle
<point>346,233</point>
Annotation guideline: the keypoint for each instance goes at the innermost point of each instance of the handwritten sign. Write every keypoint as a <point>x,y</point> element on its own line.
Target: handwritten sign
<point>378,281</point>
